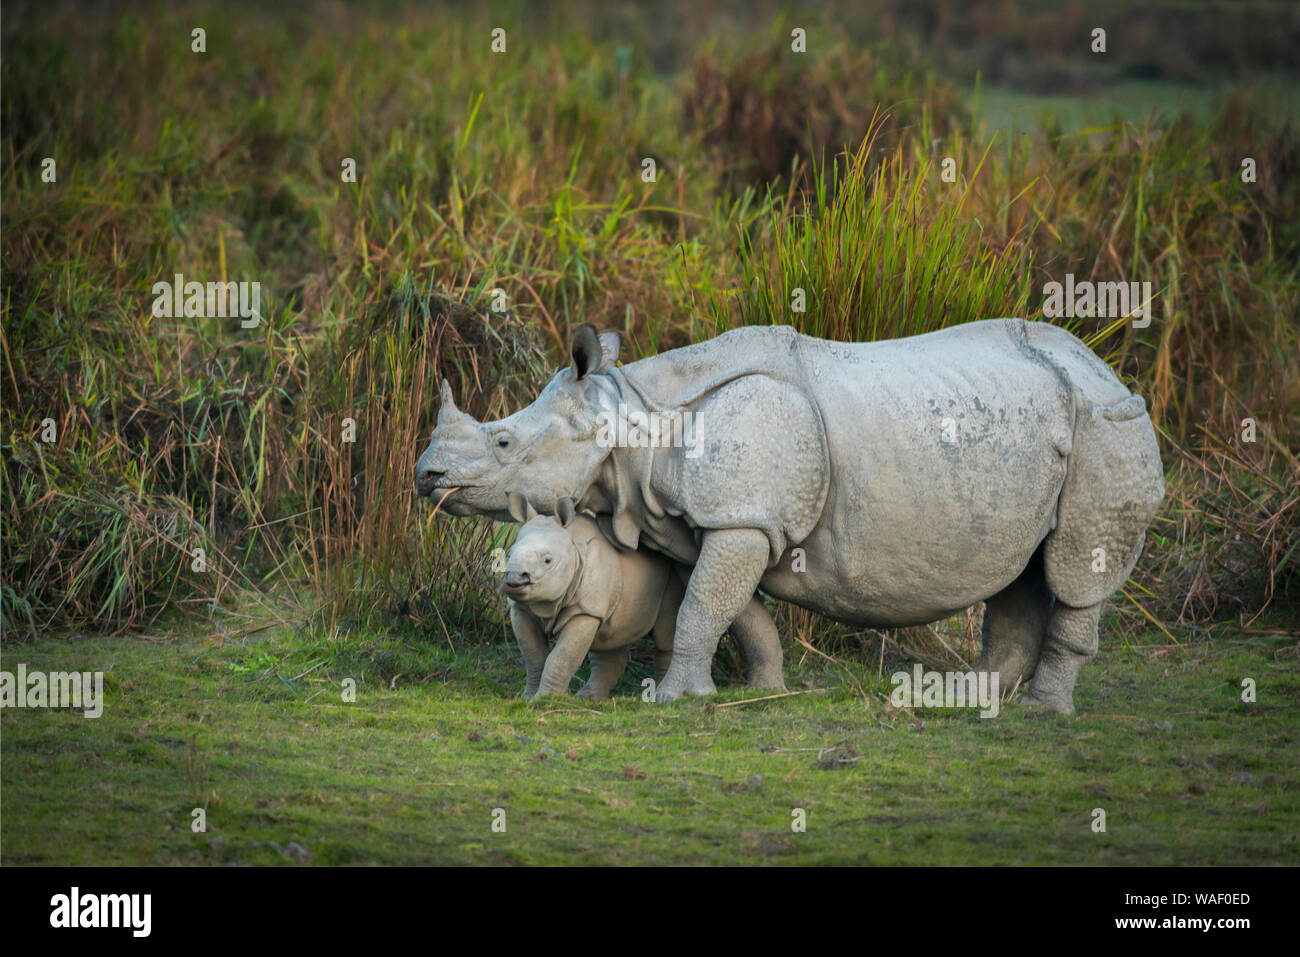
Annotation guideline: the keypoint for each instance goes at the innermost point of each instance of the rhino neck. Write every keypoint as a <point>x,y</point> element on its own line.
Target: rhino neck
<point>630,514</point>
<point>620,491</point>
<point>615,496</point>
<point>678,379</point>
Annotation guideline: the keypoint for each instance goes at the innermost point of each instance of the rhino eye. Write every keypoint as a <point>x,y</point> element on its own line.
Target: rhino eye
<point>548,559</point>
<point>503,442</point>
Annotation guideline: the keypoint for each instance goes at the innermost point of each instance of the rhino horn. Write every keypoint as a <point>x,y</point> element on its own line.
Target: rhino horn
<point>448,412</point>
<point>593,351</point>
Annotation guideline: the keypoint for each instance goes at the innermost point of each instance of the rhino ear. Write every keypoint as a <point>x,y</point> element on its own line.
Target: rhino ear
<point>448,411</point>
<point>565,510</point>
<point>519,508</point>
<point>611,344</point>
<point>593,352</point>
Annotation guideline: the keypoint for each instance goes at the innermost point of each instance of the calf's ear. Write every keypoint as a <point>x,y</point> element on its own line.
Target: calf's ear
<point>593,351</point>
<point>565,510</point>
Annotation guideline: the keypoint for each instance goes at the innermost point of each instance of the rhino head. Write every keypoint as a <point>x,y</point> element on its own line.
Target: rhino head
<point>544,560</point>
<point>546,451</point>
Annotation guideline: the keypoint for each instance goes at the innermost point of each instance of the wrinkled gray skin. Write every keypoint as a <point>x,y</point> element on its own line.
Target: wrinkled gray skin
<point>999,461</point>
<point>573,594</point>
<point>464,472</point>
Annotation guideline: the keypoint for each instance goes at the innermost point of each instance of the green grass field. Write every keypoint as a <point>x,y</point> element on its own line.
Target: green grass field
<point>411,772</point>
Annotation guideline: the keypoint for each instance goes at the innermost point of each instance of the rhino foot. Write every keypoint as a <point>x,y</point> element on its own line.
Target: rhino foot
<point>760,646</point>
<point>685,681</point>
<point>1048,702</point>
<point>768,679</point>
<point>1070,644</point>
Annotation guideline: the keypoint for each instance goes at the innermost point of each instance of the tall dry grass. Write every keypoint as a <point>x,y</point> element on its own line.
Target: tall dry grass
<point>523,174</point>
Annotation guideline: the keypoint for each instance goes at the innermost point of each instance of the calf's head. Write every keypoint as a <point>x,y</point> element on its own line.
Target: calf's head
<point>546,451</point>
<point>544,559</point>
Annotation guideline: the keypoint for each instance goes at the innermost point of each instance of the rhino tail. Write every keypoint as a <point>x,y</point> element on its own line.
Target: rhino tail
<point>1113,486</point>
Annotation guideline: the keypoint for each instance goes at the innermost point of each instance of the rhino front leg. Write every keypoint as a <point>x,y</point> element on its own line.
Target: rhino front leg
<point>760,643</point>
<point>571,646</point>
<point>532,646</point>
<point>731,562</point>
<point>606,668</point>
<point>665,626</point>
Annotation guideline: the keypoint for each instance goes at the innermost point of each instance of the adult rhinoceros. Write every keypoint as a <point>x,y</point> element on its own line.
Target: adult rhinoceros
<point>883,484</point>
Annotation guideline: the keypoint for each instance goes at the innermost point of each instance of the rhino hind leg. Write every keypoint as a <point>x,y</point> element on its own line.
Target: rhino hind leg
<point>760,646</point>
<point>1114,484</point>
<point>1070,644</point>
<point>1113,487</point>
<point>606,668</point>
<point>1015,621</point>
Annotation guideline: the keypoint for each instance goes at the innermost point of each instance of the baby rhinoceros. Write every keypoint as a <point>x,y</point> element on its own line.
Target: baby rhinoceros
<point>571,591</point>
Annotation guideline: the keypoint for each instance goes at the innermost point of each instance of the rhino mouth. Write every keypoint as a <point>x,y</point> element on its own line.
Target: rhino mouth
<point>439,495</point>
<point>448,488</point>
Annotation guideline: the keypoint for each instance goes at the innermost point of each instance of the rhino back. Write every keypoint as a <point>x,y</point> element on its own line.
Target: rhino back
<point>939,464</point>
<point>947,455</point>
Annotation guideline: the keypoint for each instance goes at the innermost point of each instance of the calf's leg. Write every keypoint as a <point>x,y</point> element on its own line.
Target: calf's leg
<point>571,646</point>
<point>606,668</point>
<point>532,646</point>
